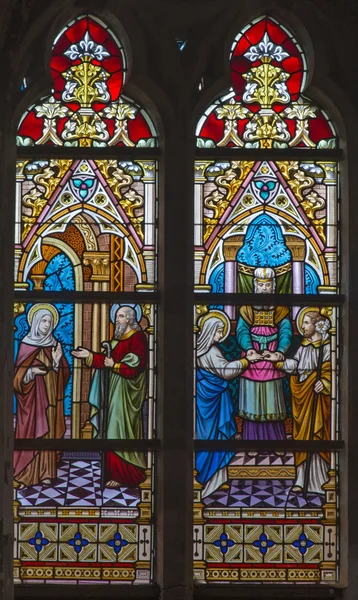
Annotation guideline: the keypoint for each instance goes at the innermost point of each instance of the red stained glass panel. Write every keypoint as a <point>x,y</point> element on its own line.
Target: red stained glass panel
<point>276,33</point>
<point>268,73</point>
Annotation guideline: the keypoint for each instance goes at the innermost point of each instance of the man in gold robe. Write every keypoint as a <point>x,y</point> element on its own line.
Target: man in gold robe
<point>306,382</point>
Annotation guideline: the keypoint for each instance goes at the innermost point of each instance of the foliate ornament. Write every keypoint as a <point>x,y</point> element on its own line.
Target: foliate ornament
<point>86,47</point>
<point>46,179</point>
<point>86,83</point>
<point>51,111</point>
<point>120,112</point>
<point>35,202</point>
<point>19,308</point>
<point>130,202</point>
<point>231,180</point>
<point>230,113</point>
<point>301,184</point>
<point>200,310</point>
<point>116,178</point>
<point>266,127</point>
<point>301,111</point>
<point>129,199</point>
<point>266,85</point>
<point>266,49</point>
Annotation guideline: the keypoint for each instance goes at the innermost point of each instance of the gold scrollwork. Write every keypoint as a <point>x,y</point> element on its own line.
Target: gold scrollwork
<point>216,201</point>
<point>301,184</point>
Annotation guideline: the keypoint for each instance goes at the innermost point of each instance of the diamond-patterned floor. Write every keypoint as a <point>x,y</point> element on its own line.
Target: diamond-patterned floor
<point>262,493</point>
<point>78,484</point>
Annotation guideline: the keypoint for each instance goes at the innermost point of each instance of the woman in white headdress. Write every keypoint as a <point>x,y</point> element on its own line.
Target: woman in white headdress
<point>214,409</point>
<point>41,375</point>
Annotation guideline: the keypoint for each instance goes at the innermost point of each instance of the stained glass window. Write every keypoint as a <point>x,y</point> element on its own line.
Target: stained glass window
<point>85,326</point>
<point>267,401</point>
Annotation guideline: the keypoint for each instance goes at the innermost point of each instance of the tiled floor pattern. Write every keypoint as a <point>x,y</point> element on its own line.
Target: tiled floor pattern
<point>78,483</point>
<point>262,493</point>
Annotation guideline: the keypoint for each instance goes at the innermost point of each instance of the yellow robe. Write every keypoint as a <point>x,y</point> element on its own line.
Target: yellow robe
<point>302,406</point>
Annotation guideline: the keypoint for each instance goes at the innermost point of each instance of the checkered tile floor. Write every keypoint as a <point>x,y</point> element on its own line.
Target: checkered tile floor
<point>78,484</point>
<point>262,493</point>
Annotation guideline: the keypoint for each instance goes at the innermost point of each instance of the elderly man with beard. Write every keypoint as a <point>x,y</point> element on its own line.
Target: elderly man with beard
<point>306,382</point>
<point>126,394</point>
<point>264,335</point>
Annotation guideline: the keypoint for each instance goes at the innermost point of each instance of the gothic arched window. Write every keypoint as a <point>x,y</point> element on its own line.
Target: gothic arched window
<point>85,320</point>
<point>267,390</point>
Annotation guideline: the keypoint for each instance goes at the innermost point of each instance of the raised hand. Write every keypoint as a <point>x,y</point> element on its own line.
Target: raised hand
<point>80,353</point>
<point>57,353</point>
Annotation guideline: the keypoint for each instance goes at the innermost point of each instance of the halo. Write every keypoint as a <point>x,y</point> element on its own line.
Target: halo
<point>36,307</point>
<point>219,315</point>
<point>302,313</point>
<point>136,307</point>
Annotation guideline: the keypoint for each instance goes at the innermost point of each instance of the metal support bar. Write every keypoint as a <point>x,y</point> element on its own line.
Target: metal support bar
<point>274,299</point>
<point>87,297</point>
<point>86,445</point>
<point>266,445</point>
<point>267,154</point>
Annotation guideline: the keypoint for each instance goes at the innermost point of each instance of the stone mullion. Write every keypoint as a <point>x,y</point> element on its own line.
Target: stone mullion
<point>7,201</point>
<point>174,481</point>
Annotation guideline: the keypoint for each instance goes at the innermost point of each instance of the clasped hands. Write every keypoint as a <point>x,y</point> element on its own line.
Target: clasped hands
<point>254,356</point>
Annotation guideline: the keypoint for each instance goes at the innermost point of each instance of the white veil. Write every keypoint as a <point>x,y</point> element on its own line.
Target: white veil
<point>206,336</point>
<point>35,337</point>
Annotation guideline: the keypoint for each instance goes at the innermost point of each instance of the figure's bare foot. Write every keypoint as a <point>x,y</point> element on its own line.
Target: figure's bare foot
<point>22,486</point>
<point>253,453</point>
<point>113,484</point>
<point>280,453</point>
<point>46,481</point>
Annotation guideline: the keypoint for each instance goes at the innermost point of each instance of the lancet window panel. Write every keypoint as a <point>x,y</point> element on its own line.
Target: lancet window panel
<point>266,375</point>
<point>77,531</point>
<point>97,217</point>
<point>273,214</point>
<point>85,349</point>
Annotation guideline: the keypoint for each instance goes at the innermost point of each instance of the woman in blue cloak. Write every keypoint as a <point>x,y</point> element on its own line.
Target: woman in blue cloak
<point>214,408</point>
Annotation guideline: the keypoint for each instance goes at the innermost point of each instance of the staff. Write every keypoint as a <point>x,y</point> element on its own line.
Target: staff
<point>104,420</point>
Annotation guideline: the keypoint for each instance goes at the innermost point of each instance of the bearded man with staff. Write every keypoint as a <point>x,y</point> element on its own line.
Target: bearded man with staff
<point>311,401</point>
<point>118,390</point>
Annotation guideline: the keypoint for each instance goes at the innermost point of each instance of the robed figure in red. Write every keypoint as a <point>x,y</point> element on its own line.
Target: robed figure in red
<point>41,376</point>
<point>125,392</point>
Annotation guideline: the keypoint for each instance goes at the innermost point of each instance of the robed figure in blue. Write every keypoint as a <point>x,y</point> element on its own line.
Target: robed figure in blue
<point>214,408</point>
